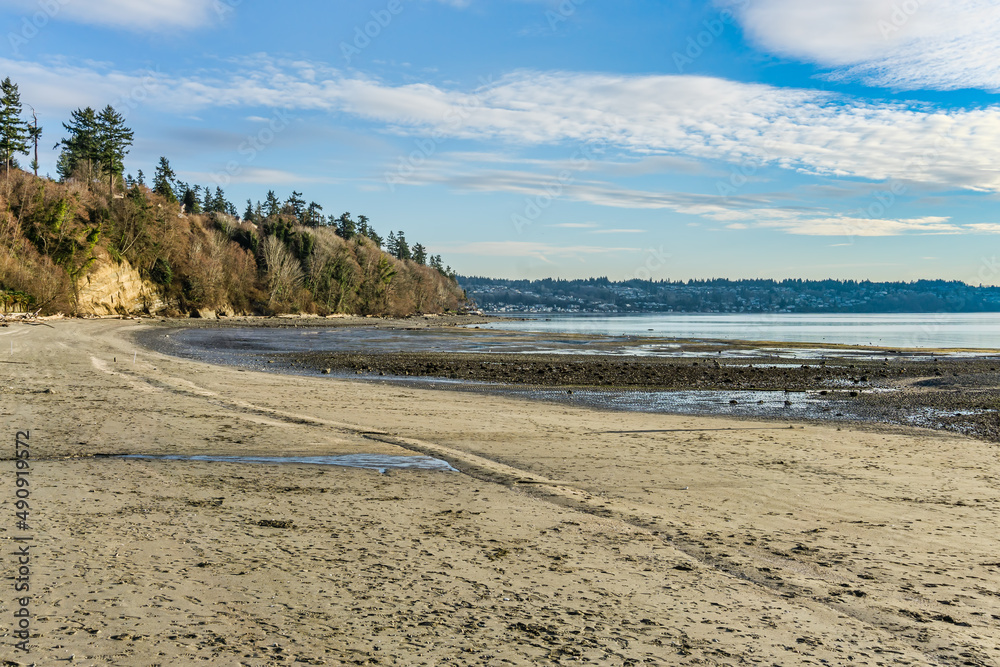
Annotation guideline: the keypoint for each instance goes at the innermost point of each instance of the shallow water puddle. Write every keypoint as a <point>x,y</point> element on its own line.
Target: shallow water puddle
<point>746,403</point>
<point>380,462</point>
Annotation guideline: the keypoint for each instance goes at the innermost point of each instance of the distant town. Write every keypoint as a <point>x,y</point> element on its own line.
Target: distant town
<point>600,295</point>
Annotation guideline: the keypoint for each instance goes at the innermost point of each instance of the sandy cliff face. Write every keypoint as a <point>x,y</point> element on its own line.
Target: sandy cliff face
<point>116,289</point>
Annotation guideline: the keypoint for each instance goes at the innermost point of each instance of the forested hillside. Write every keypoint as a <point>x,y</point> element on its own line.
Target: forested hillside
<point>185,247</point>
<point>600,295</point>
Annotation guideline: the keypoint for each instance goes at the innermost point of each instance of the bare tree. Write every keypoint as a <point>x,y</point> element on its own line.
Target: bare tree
<point>284,273</point>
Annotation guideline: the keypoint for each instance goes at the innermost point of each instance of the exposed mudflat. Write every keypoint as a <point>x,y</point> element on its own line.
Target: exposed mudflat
<point>947,389</point>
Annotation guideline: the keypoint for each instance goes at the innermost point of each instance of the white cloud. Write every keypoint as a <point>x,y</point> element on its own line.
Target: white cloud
<point>148,15</point>
<point>599,117</point>
<point>848,226</point>
<point>903,44</point>
<point>736,213</point>
<point>596,120</point>
<point>986,227</point>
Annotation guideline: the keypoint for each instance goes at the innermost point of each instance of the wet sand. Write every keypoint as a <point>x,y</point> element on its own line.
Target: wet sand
<point>569,534</point>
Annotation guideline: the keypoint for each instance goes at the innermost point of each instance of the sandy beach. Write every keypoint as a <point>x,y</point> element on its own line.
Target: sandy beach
<point>568,536</point>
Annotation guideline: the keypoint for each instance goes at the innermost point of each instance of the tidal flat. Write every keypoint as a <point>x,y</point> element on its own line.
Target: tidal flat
<point>956,390</point>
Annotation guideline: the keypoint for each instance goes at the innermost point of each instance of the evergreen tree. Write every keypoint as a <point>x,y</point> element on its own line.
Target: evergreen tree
<point>312,217</point>
<point>402,249</point>
<point>219,202</point>
<point>81,147</point>
<point>63,167</point>
<point>419,254</point>
<point>374,237</point>
<point>163,180</point>
<point>207,202</point>
<point>296,205</point>
<point>180,189</point>
<point>13,130</point>
<point>113,140</point>
<point>140,178</point>
<point>190,199</point>
<point>271,204</point>
<point>363,227</point>
<point>346,227</point>
<point>248,216</point>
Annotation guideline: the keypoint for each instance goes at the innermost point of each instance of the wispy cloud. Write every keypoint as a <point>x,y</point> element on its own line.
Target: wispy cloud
<point>145,16</point>
<point>599,120</point>
<point>916,44</point>
<point>848,226</point>
<point>618,231</point>
<point>696,118</point>
<point>736,213</point>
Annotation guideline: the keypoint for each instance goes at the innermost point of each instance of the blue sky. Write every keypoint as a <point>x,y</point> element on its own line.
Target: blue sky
<point>534,138</point>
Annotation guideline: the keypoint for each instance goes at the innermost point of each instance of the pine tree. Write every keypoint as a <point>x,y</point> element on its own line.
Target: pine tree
<point>296,205</point>
<point>219,203</point>
<point>140,178</point>
<point>190,199</point>
<point>113,140</point>
<point>419,254</point>
<point>248,216</point>
<point>163,180</point>
<point>13,130</point>
<point>271,204</point>
<point>312,217</point>
<point>346,228</point>
<point>402,249</point>
<point>63,166</point>
<point>81,147</point>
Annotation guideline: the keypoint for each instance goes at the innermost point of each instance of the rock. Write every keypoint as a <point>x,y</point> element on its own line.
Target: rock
<point>116,289</point>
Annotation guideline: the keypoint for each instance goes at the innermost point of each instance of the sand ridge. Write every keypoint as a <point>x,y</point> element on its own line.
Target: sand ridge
<point>570,535</point>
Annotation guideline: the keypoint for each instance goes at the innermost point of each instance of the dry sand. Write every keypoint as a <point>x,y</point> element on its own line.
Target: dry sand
<point>570,536</point>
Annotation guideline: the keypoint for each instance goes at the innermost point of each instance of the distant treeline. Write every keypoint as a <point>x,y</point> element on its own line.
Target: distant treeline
<point>730,296</point>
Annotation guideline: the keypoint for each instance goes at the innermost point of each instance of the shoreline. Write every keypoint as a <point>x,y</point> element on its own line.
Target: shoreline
<point>835,383</point>
<point>570,533</point>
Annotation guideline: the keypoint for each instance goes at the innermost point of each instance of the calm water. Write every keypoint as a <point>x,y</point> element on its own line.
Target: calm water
<point>977,330</point>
